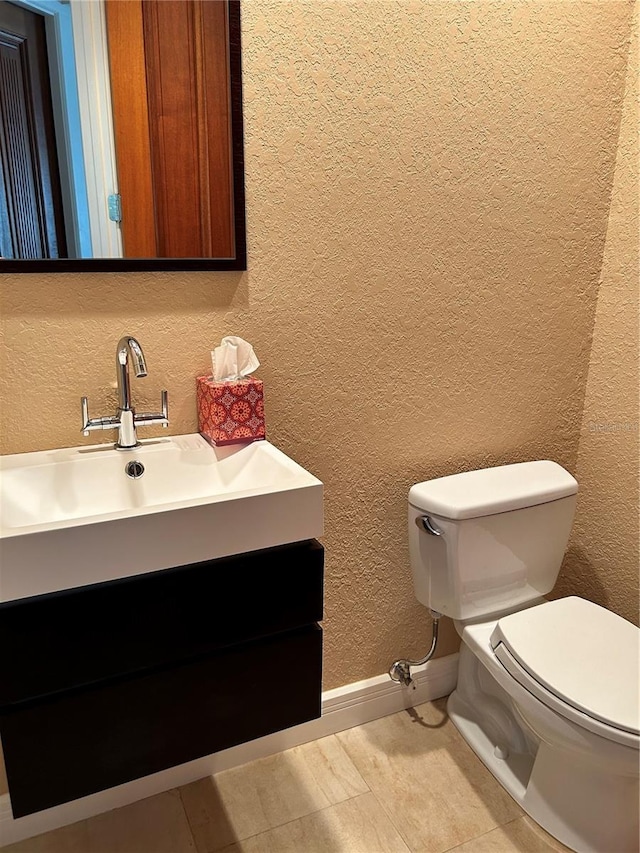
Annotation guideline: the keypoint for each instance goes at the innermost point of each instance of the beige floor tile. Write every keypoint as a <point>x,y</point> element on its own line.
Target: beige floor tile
<point>245,801</point>
<point>435,790</point>
<point>410,732</point>
<point>155,825</point>
<point>358,825</point>
<point>520,836</point>
<point>68,839</point>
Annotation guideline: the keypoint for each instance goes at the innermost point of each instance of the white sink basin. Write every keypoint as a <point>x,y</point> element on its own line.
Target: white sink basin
<point>73,517</point>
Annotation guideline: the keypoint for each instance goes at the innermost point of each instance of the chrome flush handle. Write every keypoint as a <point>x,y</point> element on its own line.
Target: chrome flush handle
<point>425,523</point>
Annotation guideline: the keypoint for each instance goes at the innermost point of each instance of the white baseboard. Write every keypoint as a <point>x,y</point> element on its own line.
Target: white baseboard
<point>342,709</point>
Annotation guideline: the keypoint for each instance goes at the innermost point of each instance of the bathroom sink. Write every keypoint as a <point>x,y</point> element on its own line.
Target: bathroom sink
<point>74,516</point>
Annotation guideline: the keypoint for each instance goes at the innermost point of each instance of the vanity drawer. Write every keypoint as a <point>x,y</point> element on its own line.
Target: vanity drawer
<point>66,640</point>
<point>78,743</point>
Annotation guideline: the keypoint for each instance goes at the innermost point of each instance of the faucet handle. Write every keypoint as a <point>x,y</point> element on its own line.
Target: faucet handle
<point>89,424</point>
<point>84,405</point>
<point>153,418</point>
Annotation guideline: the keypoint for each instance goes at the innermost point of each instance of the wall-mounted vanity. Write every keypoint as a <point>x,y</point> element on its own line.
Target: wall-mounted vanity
<point>149,622</point>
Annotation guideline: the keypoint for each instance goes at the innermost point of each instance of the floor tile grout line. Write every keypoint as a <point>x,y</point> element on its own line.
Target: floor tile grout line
<point>330,803</point>
<point>381,802</point>
<point>188,819</point>
<point>344,752</point>
<point>393,824</point>
<point>482,834</point>
<point>287,822</point>
<point>270,828</point>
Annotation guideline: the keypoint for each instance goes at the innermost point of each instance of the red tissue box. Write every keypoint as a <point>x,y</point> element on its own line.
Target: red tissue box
<point>229,412</point>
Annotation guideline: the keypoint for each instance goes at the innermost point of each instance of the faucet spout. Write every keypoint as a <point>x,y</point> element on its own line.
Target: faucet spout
<point>128,345</point>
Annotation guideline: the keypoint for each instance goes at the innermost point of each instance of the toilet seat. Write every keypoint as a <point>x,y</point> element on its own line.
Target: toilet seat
<point>580,660</point>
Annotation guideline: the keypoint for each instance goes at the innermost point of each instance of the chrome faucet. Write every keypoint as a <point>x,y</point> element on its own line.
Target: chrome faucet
<point>126,420</point>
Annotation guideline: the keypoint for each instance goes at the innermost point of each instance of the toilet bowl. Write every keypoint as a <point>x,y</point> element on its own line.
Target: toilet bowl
<point>574,773</point>
<point>548,692</point>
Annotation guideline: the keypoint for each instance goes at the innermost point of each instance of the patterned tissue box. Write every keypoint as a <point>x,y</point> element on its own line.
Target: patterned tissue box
<point>230,412</point>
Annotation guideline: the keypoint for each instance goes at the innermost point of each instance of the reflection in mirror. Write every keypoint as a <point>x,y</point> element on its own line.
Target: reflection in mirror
<point>121,135</point>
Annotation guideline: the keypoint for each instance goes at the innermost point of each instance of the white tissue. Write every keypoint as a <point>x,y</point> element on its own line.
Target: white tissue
<point>233,359</point>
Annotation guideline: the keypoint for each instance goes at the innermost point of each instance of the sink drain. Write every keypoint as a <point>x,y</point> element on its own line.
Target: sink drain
<point>134,469</point>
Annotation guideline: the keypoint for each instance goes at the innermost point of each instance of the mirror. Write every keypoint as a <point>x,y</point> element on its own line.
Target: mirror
<point>121,140</point>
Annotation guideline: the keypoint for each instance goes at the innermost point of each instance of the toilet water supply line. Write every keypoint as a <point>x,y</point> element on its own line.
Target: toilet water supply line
<point>400,670</point>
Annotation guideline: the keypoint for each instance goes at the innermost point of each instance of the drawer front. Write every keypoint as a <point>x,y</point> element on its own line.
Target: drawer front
<point>76,744</point>
<point>68,639</point>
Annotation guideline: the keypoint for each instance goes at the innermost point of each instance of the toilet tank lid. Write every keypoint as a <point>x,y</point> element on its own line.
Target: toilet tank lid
<point>492,490</point>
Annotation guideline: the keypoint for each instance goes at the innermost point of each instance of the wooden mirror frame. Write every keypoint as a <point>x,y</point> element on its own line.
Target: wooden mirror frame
<point>239,261</point>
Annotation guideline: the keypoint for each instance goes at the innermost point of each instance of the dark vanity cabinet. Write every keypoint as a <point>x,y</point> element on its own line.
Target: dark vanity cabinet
<point>110,682</point>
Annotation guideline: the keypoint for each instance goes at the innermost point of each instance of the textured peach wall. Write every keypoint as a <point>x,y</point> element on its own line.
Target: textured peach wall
<point>428,190</point>
<point>603,561</point>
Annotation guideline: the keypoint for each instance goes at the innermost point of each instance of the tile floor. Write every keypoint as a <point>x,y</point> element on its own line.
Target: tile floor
<point>403,784</point>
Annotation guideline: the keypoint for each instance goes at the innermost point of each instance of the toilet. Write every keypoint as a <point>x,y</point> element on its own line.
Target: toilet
<point>548,692</point>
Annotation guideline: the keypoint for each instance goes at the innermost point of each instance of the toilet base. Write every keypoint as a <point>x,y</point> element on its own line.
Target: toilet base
<point>579,803</point>
<point>512,771</point>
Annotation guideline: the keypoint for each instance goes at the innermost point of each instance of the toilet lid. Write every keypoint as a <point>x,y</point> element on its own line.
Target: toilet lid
<point>585,655</point>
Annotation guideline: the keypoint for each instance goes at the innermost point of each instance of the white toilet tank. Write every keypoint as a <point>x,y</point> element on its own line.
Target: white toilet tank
<point>503,533</point>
